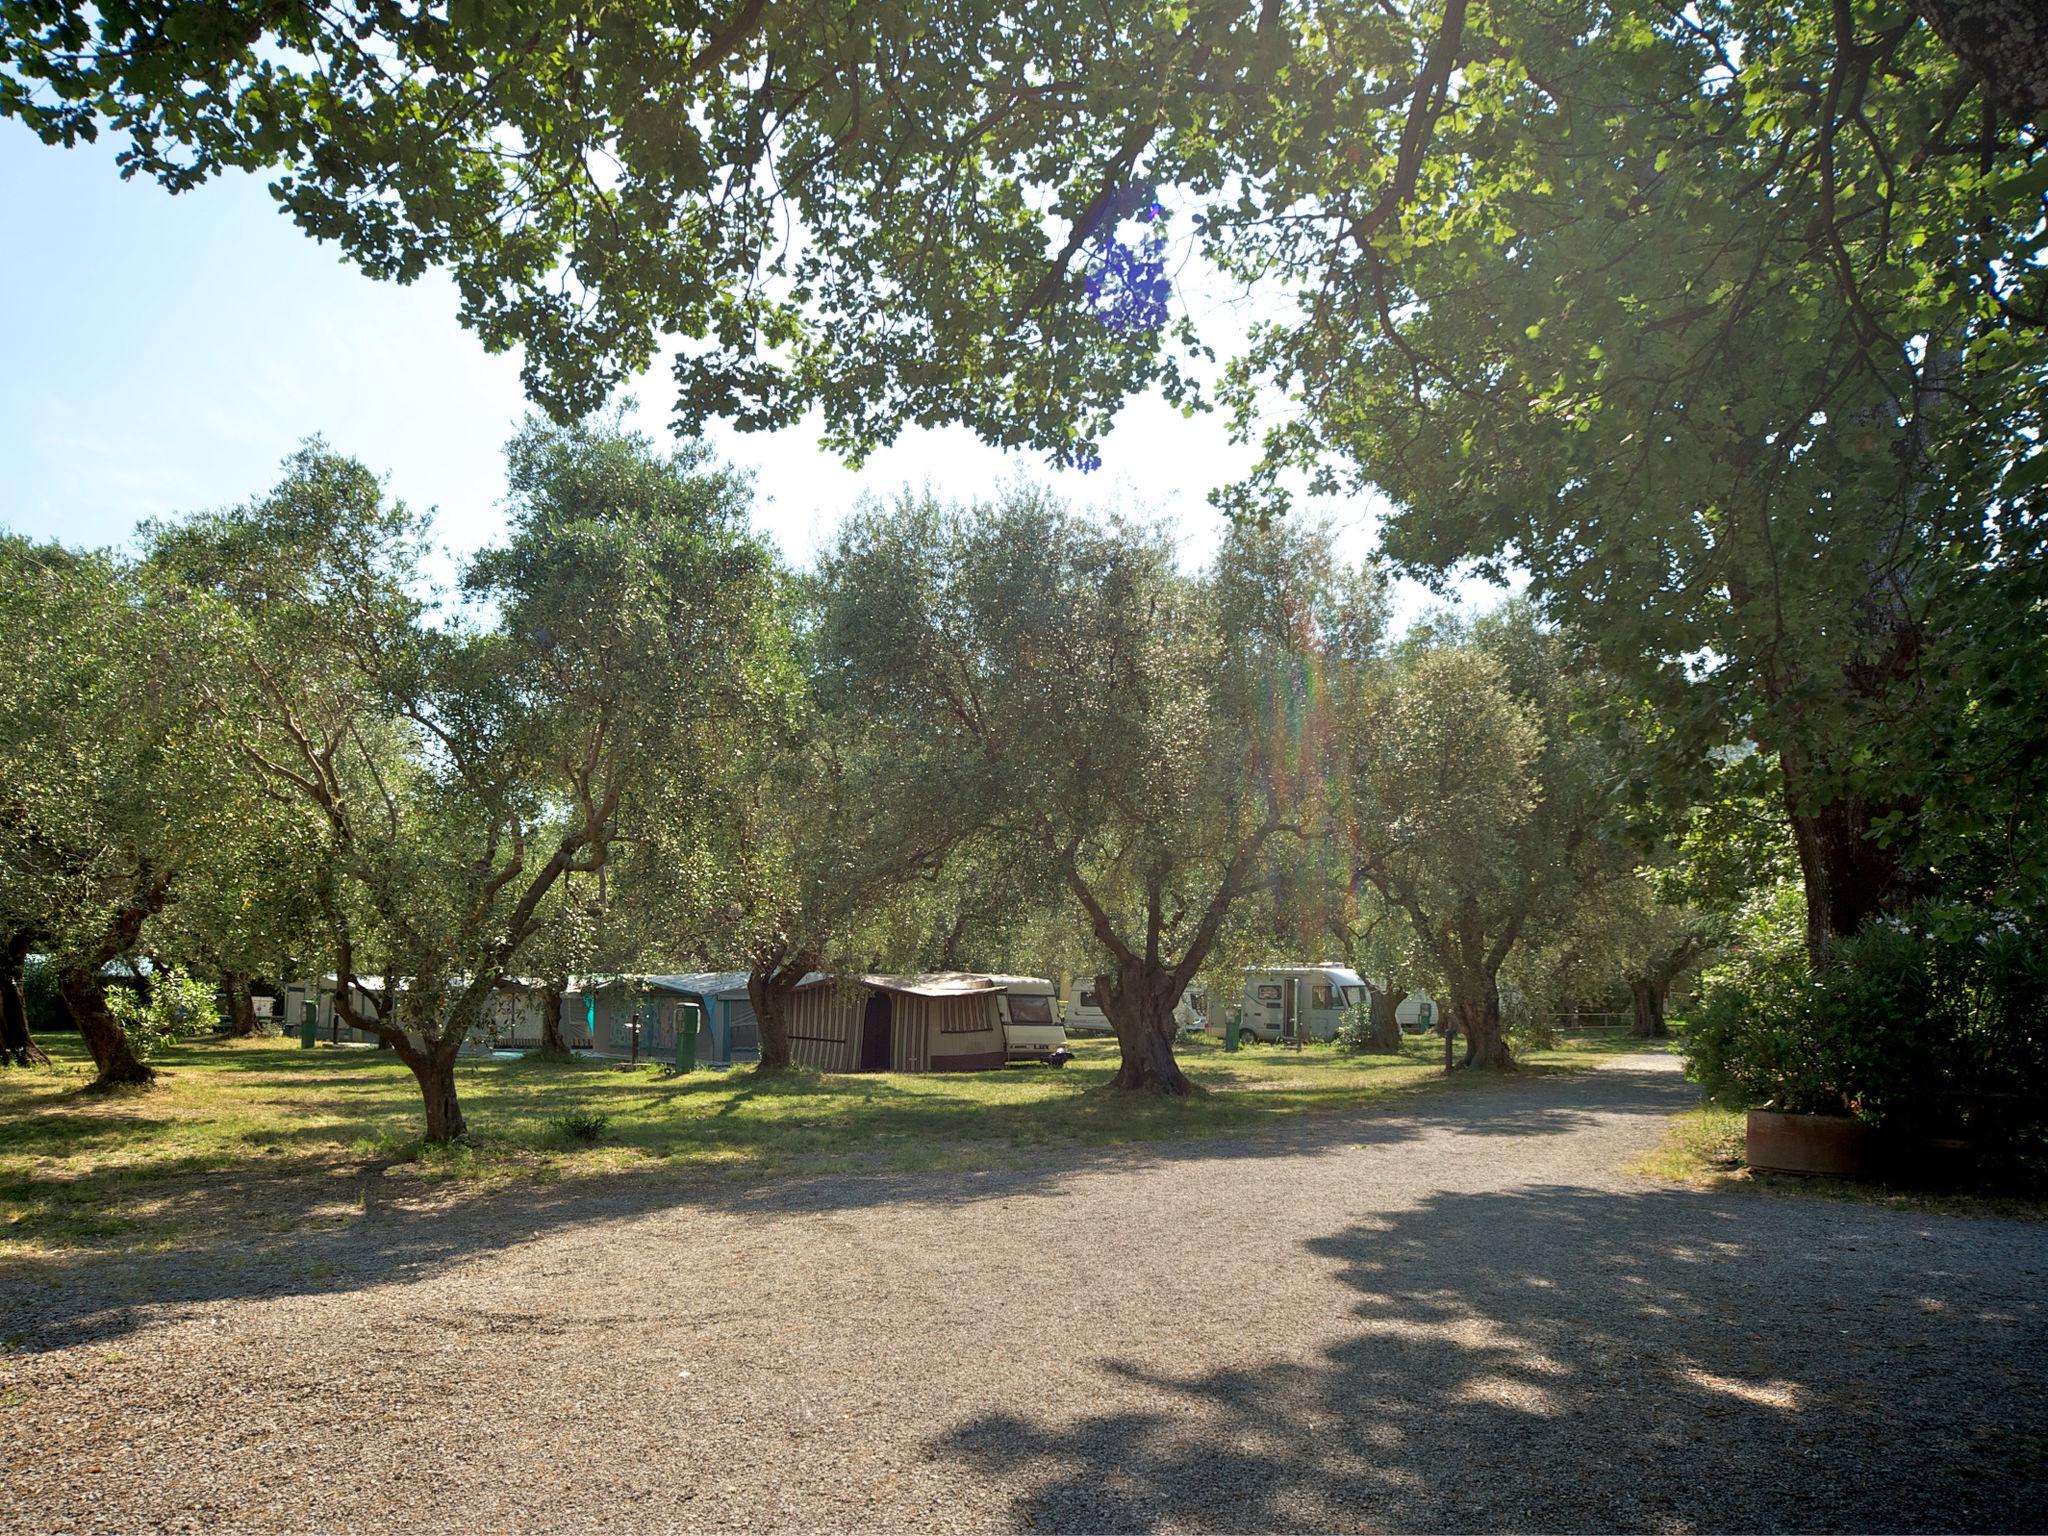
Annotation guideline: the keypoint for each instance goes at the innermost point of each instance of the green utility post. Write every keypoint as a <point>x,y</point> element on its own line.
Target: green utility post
<point>689,1019</point>
<point>1230,1029</point>
<point>309,1024</point>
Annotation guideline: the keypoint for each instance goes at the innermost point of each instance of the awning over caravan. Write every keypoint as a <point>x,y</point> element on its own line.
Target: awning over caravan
<point>939,984</point>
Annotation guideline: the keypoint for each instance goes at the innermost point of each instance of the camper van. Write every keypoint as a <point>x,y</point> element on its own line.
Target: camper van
<point>1029,1007</point>
<point>1294,1002</point>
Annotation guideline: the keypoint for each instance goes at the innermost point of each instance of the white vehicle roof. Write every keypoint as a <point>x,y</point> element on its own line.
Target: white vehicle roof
<point>1343,973</point>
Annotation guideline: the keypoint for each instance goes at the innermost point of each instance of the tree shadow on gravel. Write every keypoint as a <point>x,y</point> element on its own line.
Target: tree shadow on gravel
<point>264,1227</point>
<point>1566,1359</point>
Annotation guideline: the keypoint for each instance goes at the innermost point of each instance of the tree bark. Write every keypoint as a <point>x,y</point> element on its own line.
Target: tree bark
<point>1850,877</point>
<point>769,992</point>
<point>242,1021</point>
<point>1139,1000</point>
<point>1646,999</point>
<point>1385,1032</point>
<point>1477,1008</point>
<point>435,1070</point>
<point>18,1046</point>
<point>86,998</point>
<point>2004,41</point>
<point>551,999</point>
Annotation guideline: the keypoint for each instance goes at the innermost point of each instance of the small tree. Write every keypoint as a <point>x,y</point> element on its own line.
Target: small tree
<point>1474,805</point>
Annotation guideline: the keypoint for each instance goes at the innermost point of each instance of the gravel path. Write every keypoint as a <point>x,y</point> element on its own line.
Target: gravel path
<point>1454,1314</point>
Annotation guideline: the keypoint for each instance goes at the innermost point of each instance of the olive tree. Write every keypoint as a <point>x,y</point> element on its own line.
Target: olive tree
<point>456,773</point>
<point>114,798</point>
<point>1154,741</point>
<point>1474,805</point>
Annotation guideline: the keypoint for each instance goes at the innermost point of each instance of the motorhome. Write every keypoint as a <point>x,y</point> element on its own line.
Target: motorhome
<point>1293,1002</point>
<point>1029,1007</point>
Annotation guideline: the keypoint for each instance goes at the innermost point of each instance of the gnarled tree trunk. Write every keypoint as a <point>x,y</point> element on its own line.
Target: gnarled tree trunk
<point>1384,1033</point>
<point>1850,877</point>
<point>552,996</point>
<point>1477,1009</point>
<point>769,991</point>
<point>86,999</point>
<point>1647,1001</point>
<point>434,1067</point>
<point>18,1046</point>
<point>242,1021</point>
<point>1139,1000</point>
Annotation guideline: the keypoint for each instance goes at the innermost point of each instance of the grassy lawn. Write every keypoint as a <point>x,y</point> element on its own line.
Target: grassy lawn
<point>136,1169</point>
<point>1704,1148</point>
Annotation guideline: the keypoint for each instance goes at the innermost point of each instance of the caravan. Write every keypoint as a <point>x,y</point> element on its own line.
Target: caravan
<point>1029,1007</point>
<point>1309,1002</point>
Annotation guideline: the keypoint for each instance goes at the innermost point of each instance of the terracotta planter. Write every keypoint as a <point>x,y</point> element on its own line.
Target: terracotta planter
<point>1840,1146</point>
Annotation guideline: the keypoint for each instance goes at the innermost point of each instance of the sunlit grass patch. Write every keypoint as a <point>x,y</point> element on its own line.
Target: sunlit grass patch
<point>1701,1146</point>
<point>1706,1149</point>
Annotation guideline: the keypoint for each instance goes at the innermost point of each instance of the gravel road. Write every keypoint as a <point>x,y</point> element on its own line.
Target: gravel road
<point>1457,1313</point>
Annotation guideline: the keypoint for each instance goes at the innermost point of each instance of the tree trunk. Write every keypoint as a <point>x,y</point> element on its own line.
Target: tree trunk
<point>2004,41</point>
<point>242,1021</point>
<point>1850,877</point>
<point>551,1000</point>
<point>18,1047</point>
<point>1385,1033</point>
<point>104,1038</point>
<point>1647,1003</point>
<point>770,997</point>
<point>1477,1009</point>
<point>1140,1000</point>
<point>435,1069</point>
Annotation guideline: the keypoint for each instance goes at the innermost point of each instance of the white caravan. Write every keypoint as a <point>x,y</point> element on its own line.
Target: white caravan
<point>1294,1002</point>
<point>1029,1007</point>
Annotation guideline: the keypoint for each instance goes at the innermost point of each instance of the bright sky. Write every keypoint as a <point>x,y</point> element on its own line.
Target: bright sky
<point>162,354</point>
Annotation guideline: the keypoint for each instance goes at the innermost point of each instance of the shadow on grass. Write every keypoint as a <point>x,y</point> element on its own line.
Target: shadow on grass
<point>1567,1359</point>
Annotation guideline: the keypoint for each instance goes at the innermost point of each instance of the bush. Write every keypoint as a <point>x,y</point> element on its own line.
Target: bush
<point>176,1005</point>
<point>46,1010</point>
<point>580,1125</point>
<point>1932,1025</point>
<point>1355,1033</point>
<point>1527,1027</point>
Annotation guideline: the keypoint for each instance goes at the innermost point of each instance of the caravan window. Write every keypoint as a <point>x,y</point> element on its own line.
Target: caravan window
<point>1353,996</point>
<point>1030,1009</point>
<point>1088,998</point>
<point>1322,995</point>
<point>1269,992</point>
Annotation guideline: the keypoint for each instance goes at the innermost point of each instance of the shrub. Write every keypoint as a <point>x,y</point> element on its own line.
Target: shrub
<point>46,1010</point>
<point>1527,1027</point>
<point>175,1005</point>
<point>1355,1033</point>
<point>1932,1024</point>
<point>580,1125</point>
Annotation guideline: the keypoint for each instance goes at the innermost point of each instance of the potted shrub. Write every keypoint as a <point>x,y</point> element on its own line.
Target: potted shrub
<point>1920,1054</point>
<point>1765,1036</point>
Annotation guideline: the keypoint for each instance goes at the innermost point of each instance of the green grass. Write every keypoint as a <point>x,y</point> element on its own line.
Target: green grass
<point>1704,1148</point>
<point>280,1137</point>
